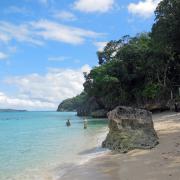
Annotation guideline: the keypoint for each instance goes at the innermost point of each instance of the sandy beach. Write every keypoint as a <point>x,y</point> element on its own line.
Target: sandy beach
<point>160,163</point>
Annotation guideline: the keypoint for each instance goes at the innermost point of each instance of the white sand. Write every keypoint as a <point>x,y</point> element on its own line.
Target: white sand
<point>160,163</point>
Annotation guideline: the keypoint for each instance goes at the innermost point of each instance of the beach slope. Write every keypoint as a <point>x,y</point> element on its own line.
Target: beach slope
<point>160,163</point>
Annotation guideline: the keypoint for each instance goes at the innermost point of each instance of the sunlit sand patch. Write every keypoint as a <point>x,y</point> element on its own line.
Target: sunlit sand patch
<point>175,162</point>
<point>166,116</point>
<point>167,126</point>
<point>138,152</point>
<point>107,171</point>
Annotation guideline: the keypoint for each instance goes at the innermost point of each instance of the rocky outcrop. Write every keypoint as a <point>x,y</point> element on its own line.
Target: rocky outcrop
<point>156,107</point>
<point>130,128</point>
<point>102,113</point>
<point>88,107</point>
<point>174,105</point>
<point>84,106</point>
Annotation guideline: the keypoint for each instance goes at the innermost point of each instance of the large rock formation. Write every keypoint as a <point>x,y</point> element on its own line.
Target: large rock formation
<point>84,106</point>
<point>101,113</point>
<point>130,128</point>
<point>87,107</point>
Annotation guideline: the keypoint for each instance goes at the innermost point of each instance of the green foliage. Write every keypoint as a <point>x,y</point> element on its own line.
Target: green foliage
<point>141,69</point>
<point>136,70</point>
<point>73,103</point>
<point>151,91</point>
<point>166,38</point>
<point>166,31</point>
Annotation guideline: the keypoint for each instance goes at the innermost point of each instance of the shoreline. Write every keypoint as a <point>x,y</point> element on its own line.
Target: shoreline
<point>159,163</point>
<point>85,157</point>
<point>52,148</point>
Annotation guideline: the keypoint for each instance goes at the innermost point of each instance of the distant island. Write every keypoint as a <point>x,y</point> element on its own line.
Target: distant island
<point>12,110</point>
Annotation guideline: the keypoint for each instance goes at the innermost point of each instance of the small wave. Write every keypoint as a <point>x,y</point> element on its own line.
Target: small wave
<point>85,156</point>
<point>98,151</point>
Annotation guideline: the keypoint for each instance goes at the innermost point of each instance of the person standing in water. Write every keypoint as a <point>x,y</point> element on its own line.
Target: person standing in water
<point>85,123</point>
<point>68,123</point>
<point>176,107</point>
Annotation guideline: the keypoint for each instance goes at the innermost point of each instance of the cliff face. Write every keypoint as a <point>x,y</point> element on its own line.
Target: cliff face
<point>97,108</point>
<point>85,106</point>
<point>130,128</point>
<point>91,108</point>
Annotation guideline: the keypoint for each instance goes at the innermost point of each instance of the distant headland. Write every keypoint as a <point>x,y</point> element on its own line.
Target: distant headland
<point>12,110</point>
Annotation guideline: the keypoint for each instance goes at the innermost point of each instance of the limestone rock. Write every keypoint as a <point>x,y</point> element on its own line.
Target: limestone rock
<point>102,113</point>
<point>130,128</point>
<point>157,107</point>
<point>88,107</point>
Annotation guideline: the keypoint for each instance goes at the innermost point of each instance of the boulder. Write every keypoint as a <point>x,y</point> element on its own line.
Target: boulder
<point>130,128</point>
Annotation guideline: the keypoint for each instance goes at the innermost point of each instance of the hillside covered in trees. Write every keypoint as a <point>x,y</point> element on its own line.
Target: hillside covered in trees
<point>141,71</point>
<point>71,104</point>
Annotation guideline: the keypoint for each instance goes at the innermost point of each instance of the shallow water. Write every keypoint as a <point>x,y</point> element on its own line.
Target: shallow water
<point>33,144</point>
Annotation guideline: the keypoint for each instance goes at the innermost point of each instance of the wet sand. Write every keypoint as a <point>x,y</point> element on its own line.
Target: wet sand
<point>160,163</point>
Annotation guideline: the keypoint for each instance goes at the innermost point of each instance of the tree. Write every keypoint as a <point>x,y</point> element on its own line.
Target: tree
<point>166,31</point>
<point>166,39</point>
<point>139,70</point>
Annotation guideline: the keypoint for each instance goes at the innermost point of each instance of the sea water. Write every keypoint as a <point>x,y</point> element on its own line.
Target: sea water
<point>33,145</point>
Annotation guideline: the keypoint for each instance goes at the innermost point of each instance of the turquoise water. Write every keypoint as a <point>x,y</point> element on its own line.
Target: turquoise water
<point>33,144</point>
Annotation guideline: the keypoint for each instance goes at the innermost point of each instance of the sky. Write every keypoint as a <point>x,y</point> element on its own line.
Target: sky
<point>46,45</point>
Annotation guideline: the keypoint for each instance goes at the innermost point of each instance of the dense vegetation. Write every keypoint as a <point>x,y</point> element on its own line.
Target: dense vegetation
<point>143,70</point>
<point>71,104</point>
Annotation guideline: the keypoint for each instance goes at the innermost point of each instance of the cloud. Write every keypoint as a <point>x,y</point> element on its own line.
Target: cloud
<point>16,9</point>
<point>100,45</point>
<point>144,8</point>
<point>37,32</point>
<point>21,33</point>
<point>4,37</point>
<point>76,61</point>
<point>3,56</point>
<point>65,15</point>
<point>49,89</point>
<point>90,6</point>
<point>58,32</point>
<point>20,103</point>
<point>12,49</point>
<point>43,2</point>
<point>58,58</point>
<point>86,68</point>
